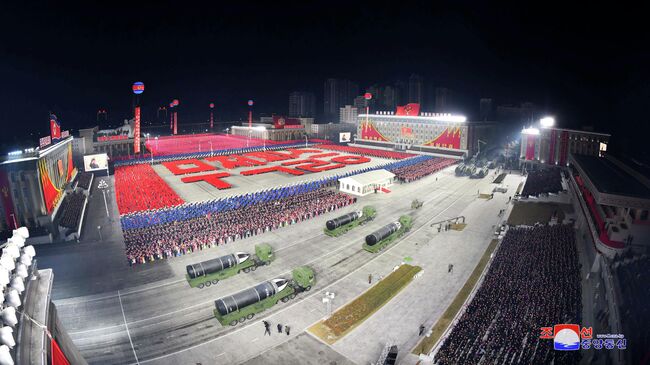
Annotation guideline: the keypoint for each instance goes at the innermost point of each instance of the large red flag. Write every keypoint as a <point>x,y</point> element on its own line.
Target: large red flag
<point>55,127</point>
<point>58,358</point>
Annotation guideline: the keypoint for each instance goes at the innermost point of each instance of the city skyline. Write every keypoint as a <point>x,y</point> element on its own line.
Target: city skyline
<point>69,60</point>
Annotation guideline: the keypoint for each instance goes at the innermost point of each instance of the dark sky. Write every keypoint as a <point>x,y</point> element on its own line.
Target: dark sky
<point>587,66</point>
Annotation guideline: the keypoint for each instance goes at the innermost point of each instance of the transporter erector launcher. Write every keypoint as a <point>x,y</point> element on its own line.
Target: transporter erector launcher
<point>244,305</point>
<point>383,232</point>
<point>387,234</point>
<point>209,272</point>
<point>343,220</point>
<point>338,226</point>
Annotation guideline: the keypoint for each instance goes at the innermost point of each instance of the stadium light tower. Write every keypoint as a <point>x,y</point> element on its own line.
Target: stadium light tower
<point>547,122</point>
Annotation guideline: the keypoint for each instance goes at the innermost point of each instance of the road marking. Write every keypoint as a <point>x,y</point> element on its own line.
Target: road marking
<point>221,354</point>
<point>127,329</point>
<point>255,339</point>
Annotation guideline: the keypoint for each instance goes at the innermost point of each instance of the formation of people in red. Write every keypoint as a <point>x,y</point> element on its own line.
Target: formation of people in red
<point>139,188</point>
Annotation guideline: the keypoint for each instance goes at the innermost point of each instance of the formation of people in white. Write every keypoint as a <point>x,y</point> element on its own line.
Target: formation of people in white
<point>15,264</point>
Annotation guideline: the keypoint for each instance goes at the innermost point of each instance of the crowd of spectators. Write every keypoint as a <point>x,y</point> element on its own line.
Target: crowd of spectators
<point>139,188</point>
<point>367,151</point>
<point>632,273</point>
<point>183,236</point>
<point>70,209</point>
<point>533,282</point>
<point>421,169</point>
<point>543,182</point>
<point>84,180</point>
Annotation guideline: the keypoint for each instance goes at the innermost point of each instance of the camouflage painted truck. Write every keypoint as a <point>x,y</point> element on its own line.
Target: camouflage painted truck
<point>246,304</point>
<point>210,272</point>
<point>387,234</point>
<point>338,226</point>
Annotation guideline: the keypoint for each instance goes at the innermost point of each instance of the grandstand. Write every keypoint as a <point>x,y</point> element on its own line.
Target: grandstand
<point>501,323</point>
<point>31,332</point>
<point>542,182</point>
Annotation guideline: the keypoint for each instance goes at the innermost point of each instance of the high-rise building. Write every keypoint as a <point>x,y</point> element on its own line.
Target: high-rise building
<point>348,114</point>
<point>443,100</point>
<point>485,109</point>
<point>338,93</point>
<point>415,89</point>
<point>401,92</point>
<point>389,98</point>
<point>361,103</point>
<point>302,104</point>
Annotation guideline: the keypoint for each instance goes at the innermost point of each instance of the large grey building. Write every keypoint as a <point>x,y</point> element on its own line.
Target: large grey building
<point>302,104</point>
<point>443,100</point>
<point>338,93</point>
<point>415,89</point>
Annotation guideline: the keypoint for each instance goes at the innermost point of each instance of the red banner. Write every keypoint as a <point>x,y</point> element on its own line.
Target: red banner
<point>7,202</point>
<point>281,122</point>
<point>136,131</point>
<point>175,117</point>
<point>407,131</point>
<point>449,138</point>
<point>410,109</point>
<point>530,147</point>
<point>55,128</point>
<point>58,358</point>
<point>551,148</point>
<point>370,132</point>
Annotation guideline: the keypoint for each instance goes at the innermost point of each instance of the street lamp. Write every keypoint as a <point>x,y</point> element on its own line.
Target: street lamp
<point>99,229</point>
<point>103,186</point>
<point>305,140</point>
<point>327,300</point>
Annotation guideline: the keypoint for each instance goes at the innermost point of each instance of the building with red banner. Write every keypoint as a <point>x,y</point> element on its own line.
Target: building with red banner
<point>441,134</point>
<point>552,146</point>
<point>32,185</point>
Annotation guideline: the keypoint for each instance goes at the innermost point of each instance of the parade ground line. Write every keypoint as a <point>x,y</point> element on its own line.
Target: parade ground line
<point>427,343</point>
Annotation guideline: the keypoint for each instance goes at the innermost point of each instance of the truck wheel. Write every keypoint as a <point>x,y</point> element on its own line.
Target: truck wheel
<point>253,268</point>
<point>308,288</point>
<point>234,322</point>
<point>242,319</point>
<point>250,316</point>
<point>247,270</point>
<point>285,299</point>
<point>200,286</point>
<point>292,296</point>
<point>208,283</point>
<point>215,281</point>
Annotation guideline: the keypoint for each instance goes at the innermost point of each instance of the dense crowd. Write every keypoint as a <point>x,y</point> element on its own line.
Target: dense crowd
<point>84,180</point>
<point>136,219</point>
<point>139,188</point>
<point>632,272</point>
<point>533,282</point>
<point>367,151</point>
<point>180,237</point>
<point>422,169</point>
<point>71,209</point>
<point>543,181</point>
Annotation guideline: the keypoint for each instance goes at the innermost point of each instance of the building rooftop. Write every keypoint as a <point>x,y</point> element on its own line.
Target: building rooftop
<point>369,177</point>
<point>611,179</point>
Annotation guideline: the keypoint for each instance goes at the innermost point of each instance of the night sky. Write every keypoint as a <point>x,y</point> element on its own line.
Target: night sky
<point>586,66</point>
